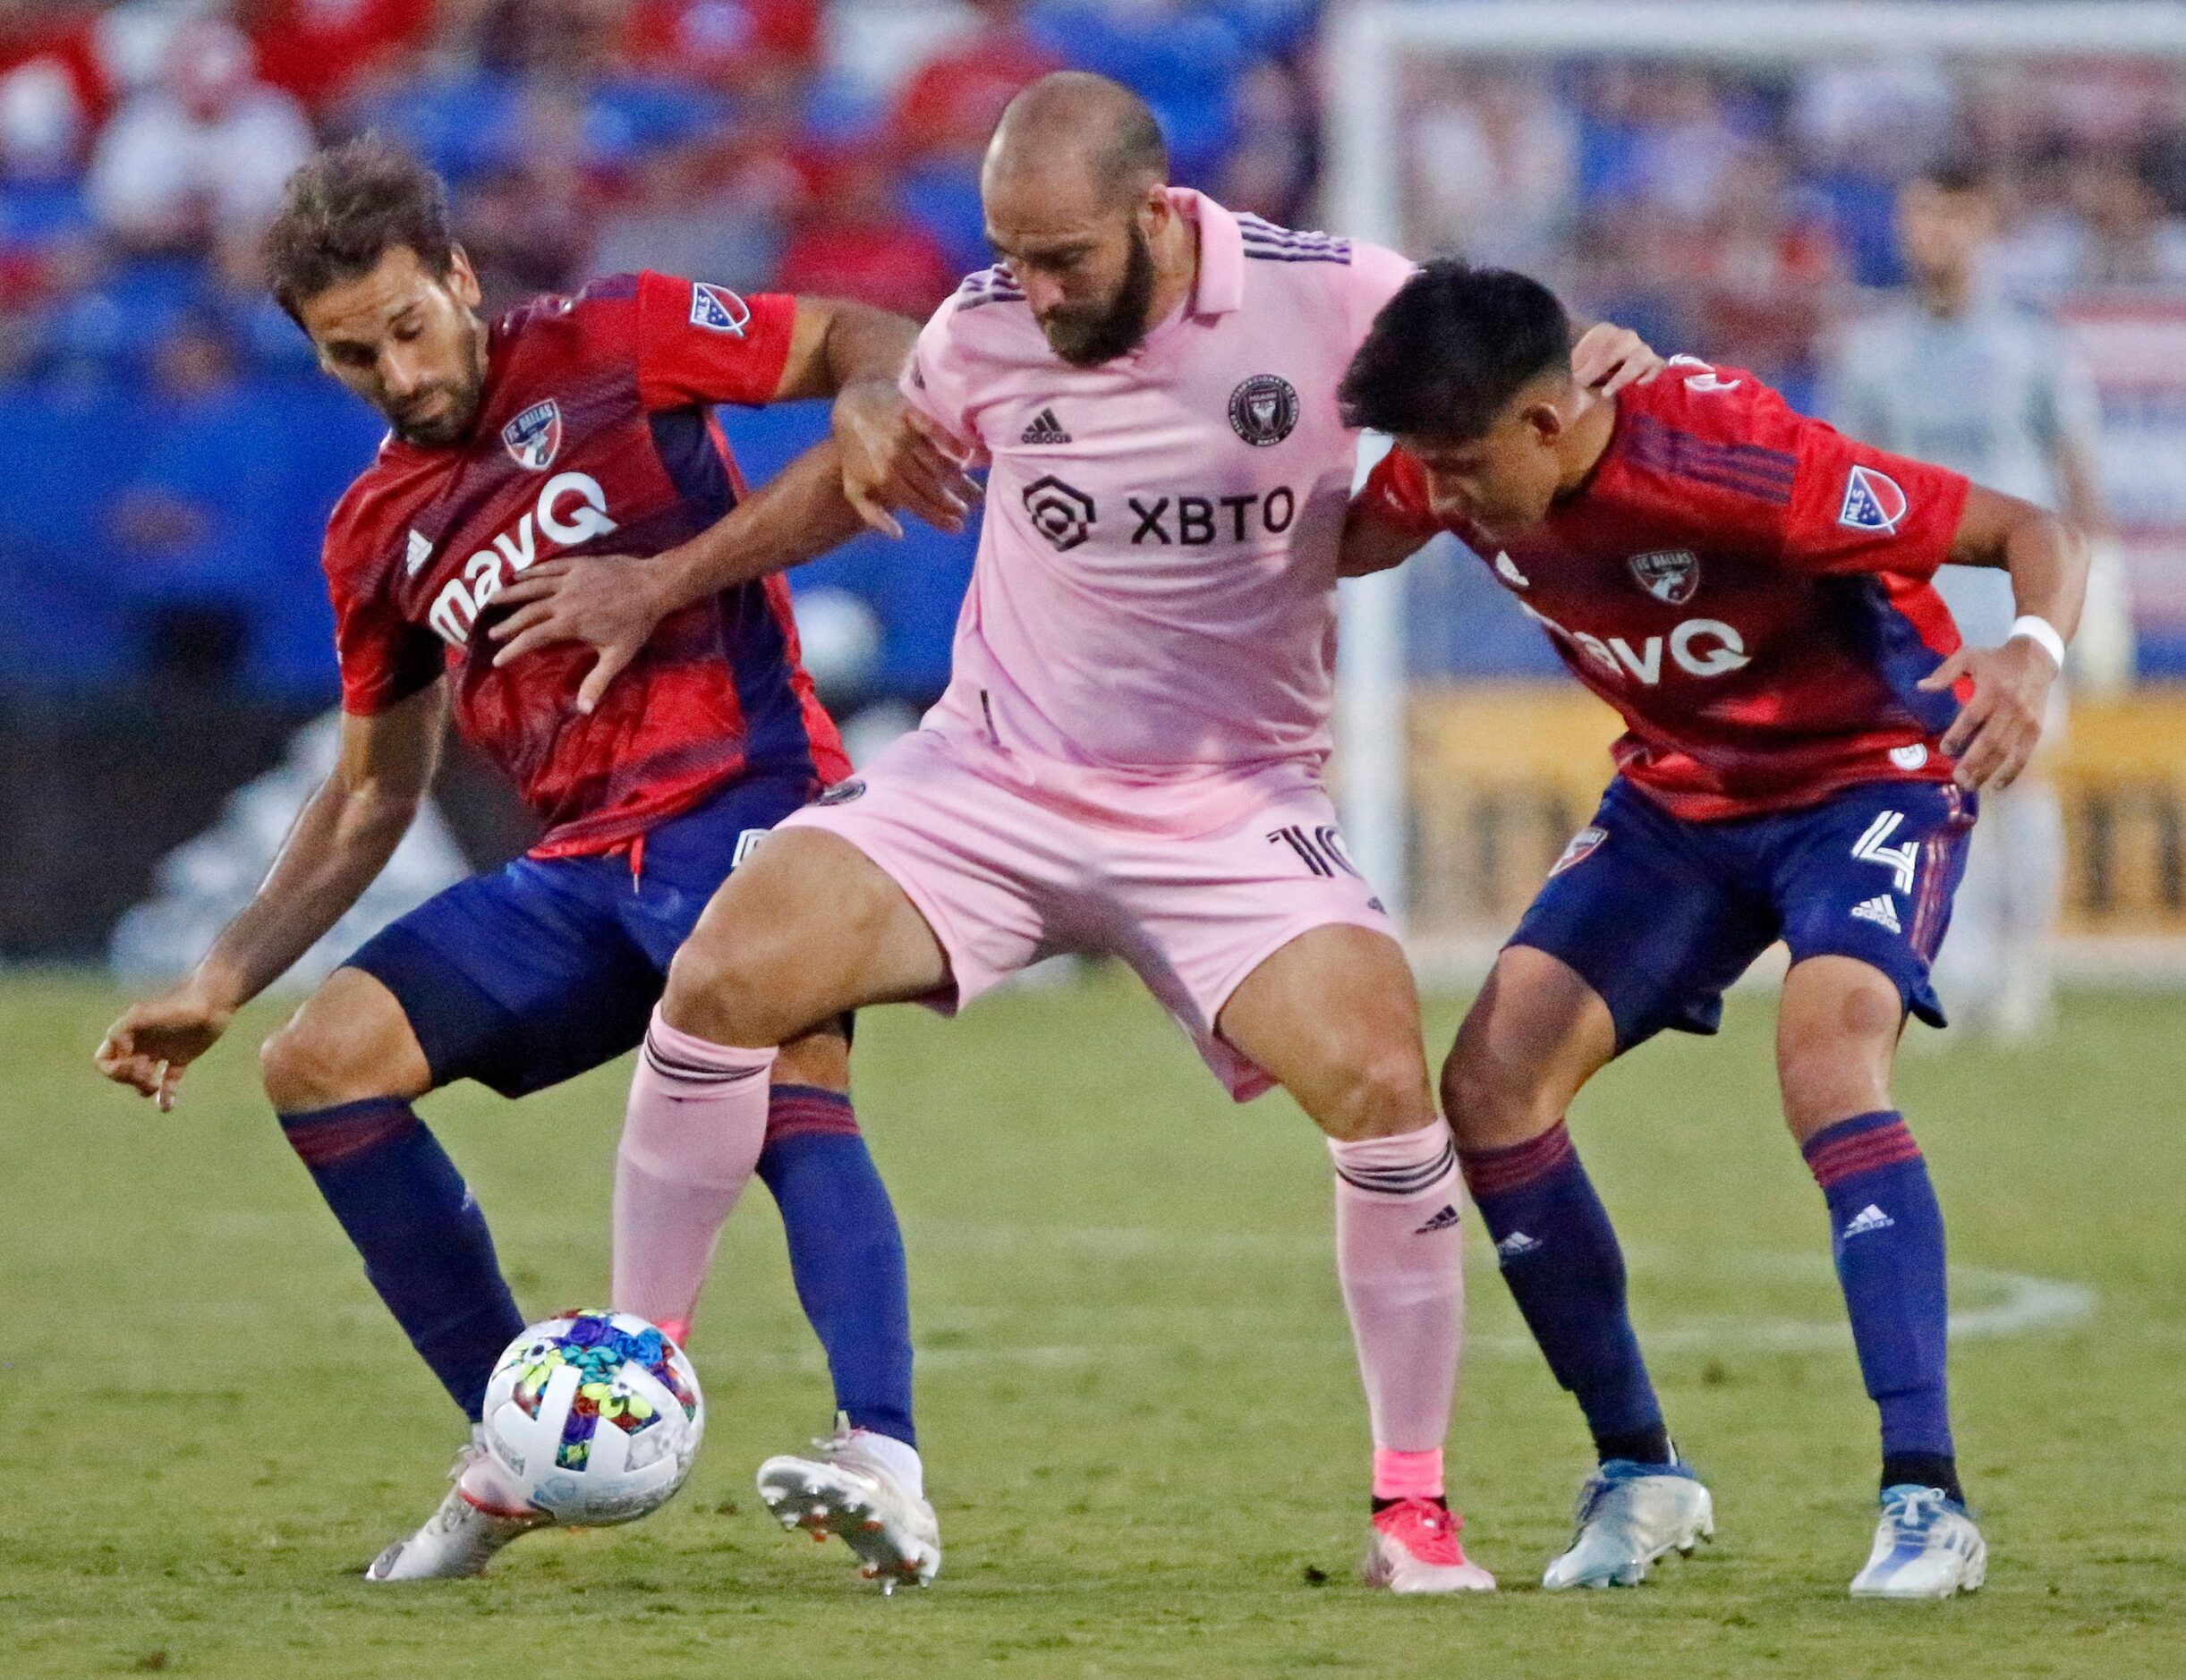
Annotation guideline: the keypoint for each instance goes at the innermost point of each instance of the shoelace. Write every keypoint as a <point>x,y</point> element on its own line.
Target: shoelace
<point>1915,1512</point>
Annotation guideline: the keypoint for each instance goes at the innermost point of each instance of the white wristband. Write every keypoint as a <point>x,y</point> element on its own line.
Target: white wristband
<point>2043,635</point>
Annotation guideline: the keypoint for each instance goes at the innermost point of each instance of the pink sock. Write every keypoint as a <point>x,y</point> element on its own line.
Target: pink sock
<point>691,1139</point>
<point>1399,1254</point>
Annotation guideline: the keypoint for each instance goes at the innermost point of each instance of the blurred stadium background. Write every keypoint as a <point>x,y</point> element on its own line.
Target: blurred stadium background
<point>1722,176</point>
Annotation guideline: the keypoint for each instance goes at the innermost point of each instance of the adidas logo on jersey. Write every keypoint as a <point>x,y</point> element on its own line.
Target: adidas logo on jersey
<point>1868,1218</point>
<point>1882,910</point>
<point>421,551</point>
<point>1515,1245</point>
<point>1045,429</point>
<point>1441,1221</point>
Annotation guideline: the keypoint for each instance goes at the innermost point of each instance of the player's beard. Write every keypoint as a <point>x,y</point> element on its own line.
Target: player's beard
<point>1087,338</point>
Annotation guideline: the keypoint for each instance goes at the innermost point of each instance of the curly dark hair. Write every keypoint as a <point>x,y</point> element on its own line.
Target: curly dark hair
<point>345,209</point>
<point>1452,347</point>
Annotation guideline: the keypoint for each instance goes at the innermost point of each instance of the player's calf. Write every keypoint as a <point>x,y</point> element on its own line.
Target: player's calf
<point>340,1076</point>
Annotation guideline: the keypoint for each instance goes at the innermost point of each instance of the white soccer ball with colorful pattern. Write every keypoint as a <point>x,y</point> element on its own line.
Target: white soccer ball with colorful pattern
<point>596,1415</point>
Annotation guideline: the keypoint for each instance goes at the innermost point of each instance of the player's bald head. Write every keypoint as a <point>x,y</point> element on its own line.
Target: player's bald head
<point>1076,134</point>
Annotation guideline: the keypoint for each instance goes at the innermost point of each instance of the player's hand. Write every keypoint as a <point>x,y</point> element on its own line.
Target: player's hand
<point>149,1047</point>
<point>1607,358</point>
<point>1997,730</point>
<point>895,457</point>
<point>604,600</point>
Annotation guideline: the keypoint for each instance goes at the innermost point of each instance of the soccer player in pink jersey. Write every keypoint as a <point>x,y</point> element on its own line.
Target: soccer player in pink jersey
<point>1128,757</point>
<point>1806,738</point>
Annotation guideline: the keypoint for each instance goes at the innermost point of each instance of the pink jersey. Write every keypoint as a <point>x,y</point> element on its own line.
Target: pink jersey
<point>1151,626</point>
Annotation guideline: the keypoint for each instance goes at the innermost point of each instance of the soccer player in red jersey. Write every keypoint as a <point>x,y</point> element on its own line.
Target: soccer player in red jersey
<point>1805,741</point>
<point>570,425</point>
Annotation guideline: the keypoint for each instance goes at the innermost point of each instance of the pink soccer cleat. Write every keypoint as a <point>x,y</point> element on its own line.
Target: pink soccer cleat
<point>1414,1550</point>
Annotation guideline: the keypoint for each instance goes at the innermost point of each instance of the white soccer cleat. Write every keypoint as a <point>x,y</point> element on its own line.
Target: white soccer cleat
<point>476,1520</point>
<point>848,1490</point>
<point>1629,1515</point>
<point>1926,1546</point>
<point>1415,1549</point>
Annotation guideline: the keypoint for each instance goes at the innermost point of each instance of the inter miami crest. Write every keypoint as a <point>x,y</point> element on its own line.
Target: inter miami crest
<point>1671,575</point>
<point>1061,512</point>
<point>534,438</point>
<point>1265,410</point>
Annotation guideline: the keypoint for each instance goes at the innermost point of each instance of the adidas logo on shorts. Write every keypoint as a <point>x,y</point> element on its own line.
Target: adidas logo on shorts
<point>1045,429</point>
<point>1441,1221</point>
<point>1882,909</point>
<point>1515,1245</point>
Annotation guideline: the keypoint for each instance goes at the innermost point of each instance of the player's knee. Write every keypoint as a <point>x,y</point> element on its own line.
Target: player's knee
<point>1379,1091</point>
<point>308,1066</point>
<point>720,992</point>
<point>1489,1107</point>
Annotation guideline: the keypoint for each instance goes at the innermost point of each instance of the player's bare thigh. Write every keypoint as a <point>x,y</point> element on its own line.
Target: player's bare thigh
<point>1334,1017</point>
<point>1536,1034</point>
<point>1837,1031</point>
<point>807,929</point>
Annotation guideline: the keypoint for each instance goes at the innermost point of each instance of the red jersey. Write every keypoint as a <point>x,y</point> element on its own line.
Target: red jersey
<point>595,436</point>
<point>1748,587</point>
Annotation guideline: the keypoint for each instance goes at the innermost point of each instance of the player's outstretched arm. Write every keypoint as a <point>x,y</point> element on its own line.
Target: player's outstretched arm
<point>1998,728</point>
<point>614,601</point>
<point>346,833</point>
<point>892,456</point>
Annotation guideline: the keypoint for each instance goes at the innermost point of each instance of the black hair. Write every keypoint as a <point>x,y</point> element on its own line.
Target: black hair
<point>1454,345</point>
<point>1954,172</point>
<point>345,209</point>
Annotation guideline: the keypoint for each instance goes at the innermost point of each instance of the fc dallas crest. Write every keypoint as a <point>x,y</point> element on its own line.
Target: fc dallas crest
<point>1669,574</point>
<point>534,438</point>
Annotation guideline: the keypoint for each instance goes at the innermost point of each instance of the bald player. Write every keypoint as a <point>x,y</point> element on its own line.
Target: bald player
<point>1128,759</point>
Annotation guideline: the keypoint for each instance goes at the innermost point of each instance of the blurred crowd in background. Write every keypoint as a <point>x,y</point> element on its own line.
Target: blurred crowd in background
<point>176,455</point>
<point>171,454</point>
<point>1746,212</point>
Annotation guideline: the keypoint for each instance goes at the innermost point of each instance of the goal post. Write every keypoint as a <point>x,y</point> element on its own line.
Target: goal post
<point>1373,46</point>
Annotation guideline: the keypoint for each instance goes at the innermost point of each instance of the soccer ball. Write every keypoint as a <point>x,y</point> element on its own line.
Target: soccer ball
<point>596,1415</point>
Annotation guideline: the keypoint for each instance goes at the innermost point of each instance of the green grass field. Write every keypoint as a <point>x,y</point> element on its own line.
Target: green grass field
<point>1140,1411</point>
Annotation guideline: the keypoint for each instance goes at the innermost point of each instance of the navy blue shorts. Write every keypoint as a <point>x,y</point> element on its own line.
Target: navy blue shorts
<point>544,968</point>
<point>1660,914</point>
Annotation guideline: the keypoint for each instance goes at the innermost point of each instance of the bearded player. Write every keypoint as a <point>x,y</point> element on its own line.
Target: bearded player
<point>569,425</point>
<point>1805,741</point>
<point>1128,757</point>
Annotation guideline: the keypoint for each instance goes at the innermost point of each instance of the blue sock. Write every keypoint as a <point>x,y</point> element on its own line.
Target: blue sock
<point>1560,1257</point>
<point>846,1253</point>
<point>1887,1234</point>
<point>424,1242</point>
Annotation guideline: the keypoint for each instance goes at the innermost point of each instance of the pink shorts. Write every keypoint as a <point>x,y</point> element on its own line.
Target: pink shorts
<point>1004,881</point>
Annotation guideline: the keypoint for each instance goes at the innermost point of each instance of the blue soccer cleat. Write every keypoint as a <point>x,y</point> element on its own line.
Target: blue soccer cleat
<point>1629,1515</point>
<point>1926,1546</point>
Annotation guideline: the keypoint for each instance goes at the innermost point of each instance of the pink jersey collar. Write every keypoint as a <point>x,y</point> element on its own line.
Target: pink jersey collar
<point>1220,287</point>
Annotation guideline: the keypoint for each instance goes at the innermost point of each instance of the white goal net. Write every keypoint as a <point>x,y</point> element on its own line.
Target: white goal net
<point>1722,176</point>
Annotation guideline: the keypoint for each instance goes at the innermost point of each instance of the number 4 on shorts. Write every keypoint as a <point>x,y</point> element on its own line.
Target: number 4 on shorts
<point>1874,847</point>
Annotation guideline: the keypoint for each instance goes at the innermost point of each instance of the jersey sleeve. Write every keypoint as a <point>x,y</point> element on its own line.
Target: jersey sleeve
<point>702,344</point>
<point>1855,508</point>
<point>384,658</point>
<point>1396,492</point>
<point>1372,278</point>
<point>938,382</point>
